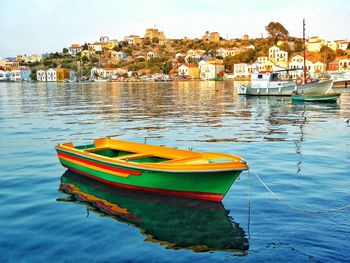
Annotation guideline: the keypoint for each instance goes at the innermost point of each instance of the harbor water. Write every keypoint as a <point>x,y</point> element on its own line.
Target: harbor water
<point>299,150</point>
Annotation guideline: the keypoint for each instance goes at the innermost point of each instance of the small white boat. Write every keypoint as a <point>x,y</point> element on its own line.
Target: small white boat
<point>99,80</point>
<point>278,83</point>
<point>341,79</point>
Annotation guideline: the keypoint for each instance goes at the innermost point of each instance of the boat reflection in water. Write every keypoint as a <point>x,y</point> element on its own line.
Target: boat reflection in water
<point>177,223</point>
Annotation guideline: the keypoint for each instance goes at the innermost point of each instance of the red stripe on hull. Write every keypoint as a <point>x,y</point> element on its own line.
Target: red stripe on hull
<point>196,195</point>
<point>114,169</point>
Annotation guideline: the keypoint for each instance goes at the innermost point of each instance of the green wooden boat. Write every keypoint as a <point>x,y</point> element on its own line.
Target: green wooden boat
<point>332,97</point>
<point>177,223</point>
<point>156,169</point>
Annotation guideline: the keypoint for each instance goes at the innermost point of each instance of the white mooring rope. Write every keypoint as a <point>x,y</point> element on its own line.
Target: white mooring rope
<point>297,208</point>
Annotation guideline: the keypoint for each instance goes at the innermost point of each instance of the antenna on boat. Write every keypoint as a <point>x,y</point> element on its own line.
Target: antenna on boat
<point>304,51</point>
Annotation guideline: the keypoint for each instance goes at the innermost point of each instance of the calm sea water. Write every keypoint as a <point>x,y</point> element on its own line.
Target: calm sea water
<point>301,151</point>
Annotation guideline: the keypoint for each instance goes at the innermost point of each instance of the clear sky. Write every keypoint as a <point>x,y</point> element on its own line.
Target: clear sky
<point>40,26</point>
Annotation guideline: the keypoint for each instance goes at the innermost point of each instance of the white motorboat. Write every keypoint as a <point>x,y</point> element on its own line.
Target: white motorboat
<point>278,83</point>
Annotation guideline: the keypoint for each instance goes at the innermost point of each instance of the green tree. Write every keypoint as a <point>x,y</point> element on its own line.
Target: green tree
<point>65,50</point>
<point>85,59</point>
<point>33,75</point>
<point>47,63</point>
<point>85,46</point>
<point>277,31</point>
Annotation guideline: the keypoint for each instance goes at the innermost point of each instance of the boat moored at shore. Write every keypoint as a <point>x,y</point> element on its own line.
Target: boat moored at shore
<point>278,83</point>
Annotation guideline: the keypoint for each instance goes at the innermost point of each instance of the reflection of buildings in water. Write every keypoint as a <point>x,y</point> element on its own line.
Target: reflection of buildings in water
<point>177,223</point>
<point>344,102</point>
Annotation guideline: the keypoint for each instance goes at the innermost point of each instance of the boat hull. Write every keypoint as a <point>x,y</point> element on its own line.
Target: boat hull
<point>341,84</point>
<point>204,185</point>
<point>321,87</point>
<point>316,98</point>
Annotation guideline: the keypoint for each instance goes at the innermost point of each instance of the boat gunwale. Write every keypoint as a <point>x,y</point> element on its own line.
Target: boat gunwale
<point>155,167</point>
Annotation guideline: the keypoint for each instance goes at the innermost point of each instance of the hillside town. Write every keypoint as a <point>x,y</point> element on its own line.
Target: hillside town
<point>154,57</point>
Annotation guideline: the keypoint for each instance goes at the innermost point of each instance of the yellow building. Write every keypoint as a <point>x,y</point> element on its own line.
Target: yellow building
<point>62,74</point>
<point>314,44</point>
<point>85,53</point>
<point>212,37</point>
<point>154,33</point>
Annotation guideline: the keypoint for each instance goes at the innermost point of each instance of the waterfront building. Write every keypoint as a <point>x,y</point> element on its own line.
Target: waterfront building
<point>314,44</point>
<point>333,66</point>
<point>51,75</point>
<point>190,71</point>
<point>106,73</point>
<point>96,73</point>
<point>133,40</point>
<point>72,75</point>
<point>62,74</point>
<point>15,75</point>
<point>154,33</point>
<point>5,75</point>
<point>74,49</point>
<point>211,69</point>
<point>319,67</point>
<point>297,62</point>
<point>344,64</point>
<point>240,70</point>
<point>41,75</point>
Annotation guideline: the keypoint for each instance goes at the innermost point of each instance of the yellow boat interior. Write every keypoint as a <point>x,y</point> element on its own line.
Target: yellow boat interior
<point>151,156</point>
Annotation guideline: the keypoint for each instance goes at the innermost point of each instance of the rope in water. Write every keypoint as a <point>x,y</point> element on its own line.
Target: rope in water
<point>297,208</point>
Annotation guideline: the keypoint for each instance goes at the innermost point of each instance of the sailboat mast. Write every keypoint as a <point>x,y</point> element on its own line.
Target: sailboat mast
<point>304,50</point>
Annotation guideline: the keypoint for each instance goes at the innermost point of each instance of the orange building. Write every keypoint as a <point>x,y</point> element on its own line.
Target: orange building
<point>62,74</point>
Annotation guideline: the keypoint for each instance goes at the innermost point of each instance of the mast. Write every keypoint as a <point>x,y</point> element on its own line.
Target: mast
<point>304,50</point>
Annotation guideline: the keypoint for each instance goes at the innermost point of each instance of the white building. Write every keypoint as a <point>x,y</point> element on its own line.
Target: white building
<point>240,70</point>
<point>74,49</point>
<point>297,62</point>
<point>41,75</point>
<point>183,71</point>
<point>51,75</point>
<point>15,75</point>
<point>272,52</point>
<point>5,75</point>
<point>96,73</point>
<point>210,69</point>
<point>95,48</point>
<point>343,45</point>
<point>150,55</point>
